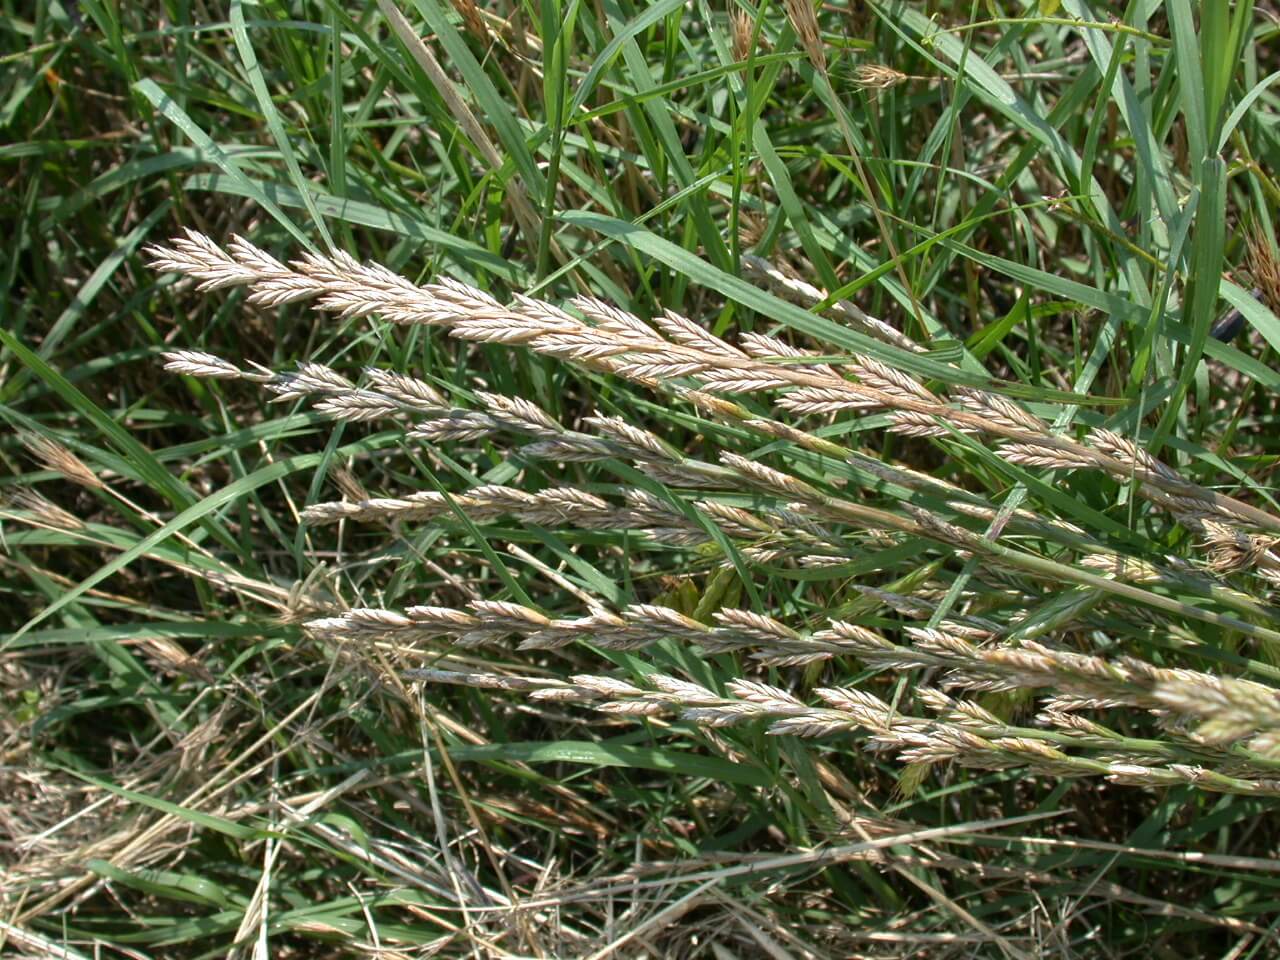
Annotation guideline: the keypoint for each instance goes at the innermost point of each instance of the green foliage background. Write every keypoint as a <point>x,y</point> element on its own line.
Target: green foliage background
<point>1046,194</point>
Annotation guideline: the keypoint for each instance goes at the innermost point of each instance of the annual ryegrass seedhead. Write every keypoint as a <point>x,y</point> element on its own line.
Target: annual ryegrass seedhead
<point>732,508</point>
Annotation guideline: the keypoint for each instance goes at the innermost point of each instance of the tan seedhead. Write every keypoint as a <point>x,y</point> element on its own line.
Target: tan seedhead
<point>1263,266</point>
<point>751,229</point>
<point>1230,550</point>
<point>614,341</point>
<point>743,28</point>
<point>1118,567</point>
<point>877,77</point>
<point>345,480</point>
<point>38,510</point>
<point>52,455</point>
<point>785,521</point>
<point>805,23</point>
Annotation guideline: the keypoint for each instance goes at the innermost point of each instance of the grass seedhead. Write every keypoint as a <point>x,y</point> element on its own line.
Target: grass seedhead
<point>673,481</point>
<point>1264,268</point>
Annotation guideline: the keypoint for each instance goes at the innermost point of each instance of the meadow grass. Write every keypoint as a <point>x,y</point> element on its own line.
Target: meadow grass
<point>639,480</point>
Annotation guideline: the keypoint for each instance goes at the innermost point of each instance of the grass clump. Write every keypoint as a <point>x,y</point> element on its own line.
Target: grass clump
<point>643,481</point>
<point>799,520</point>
